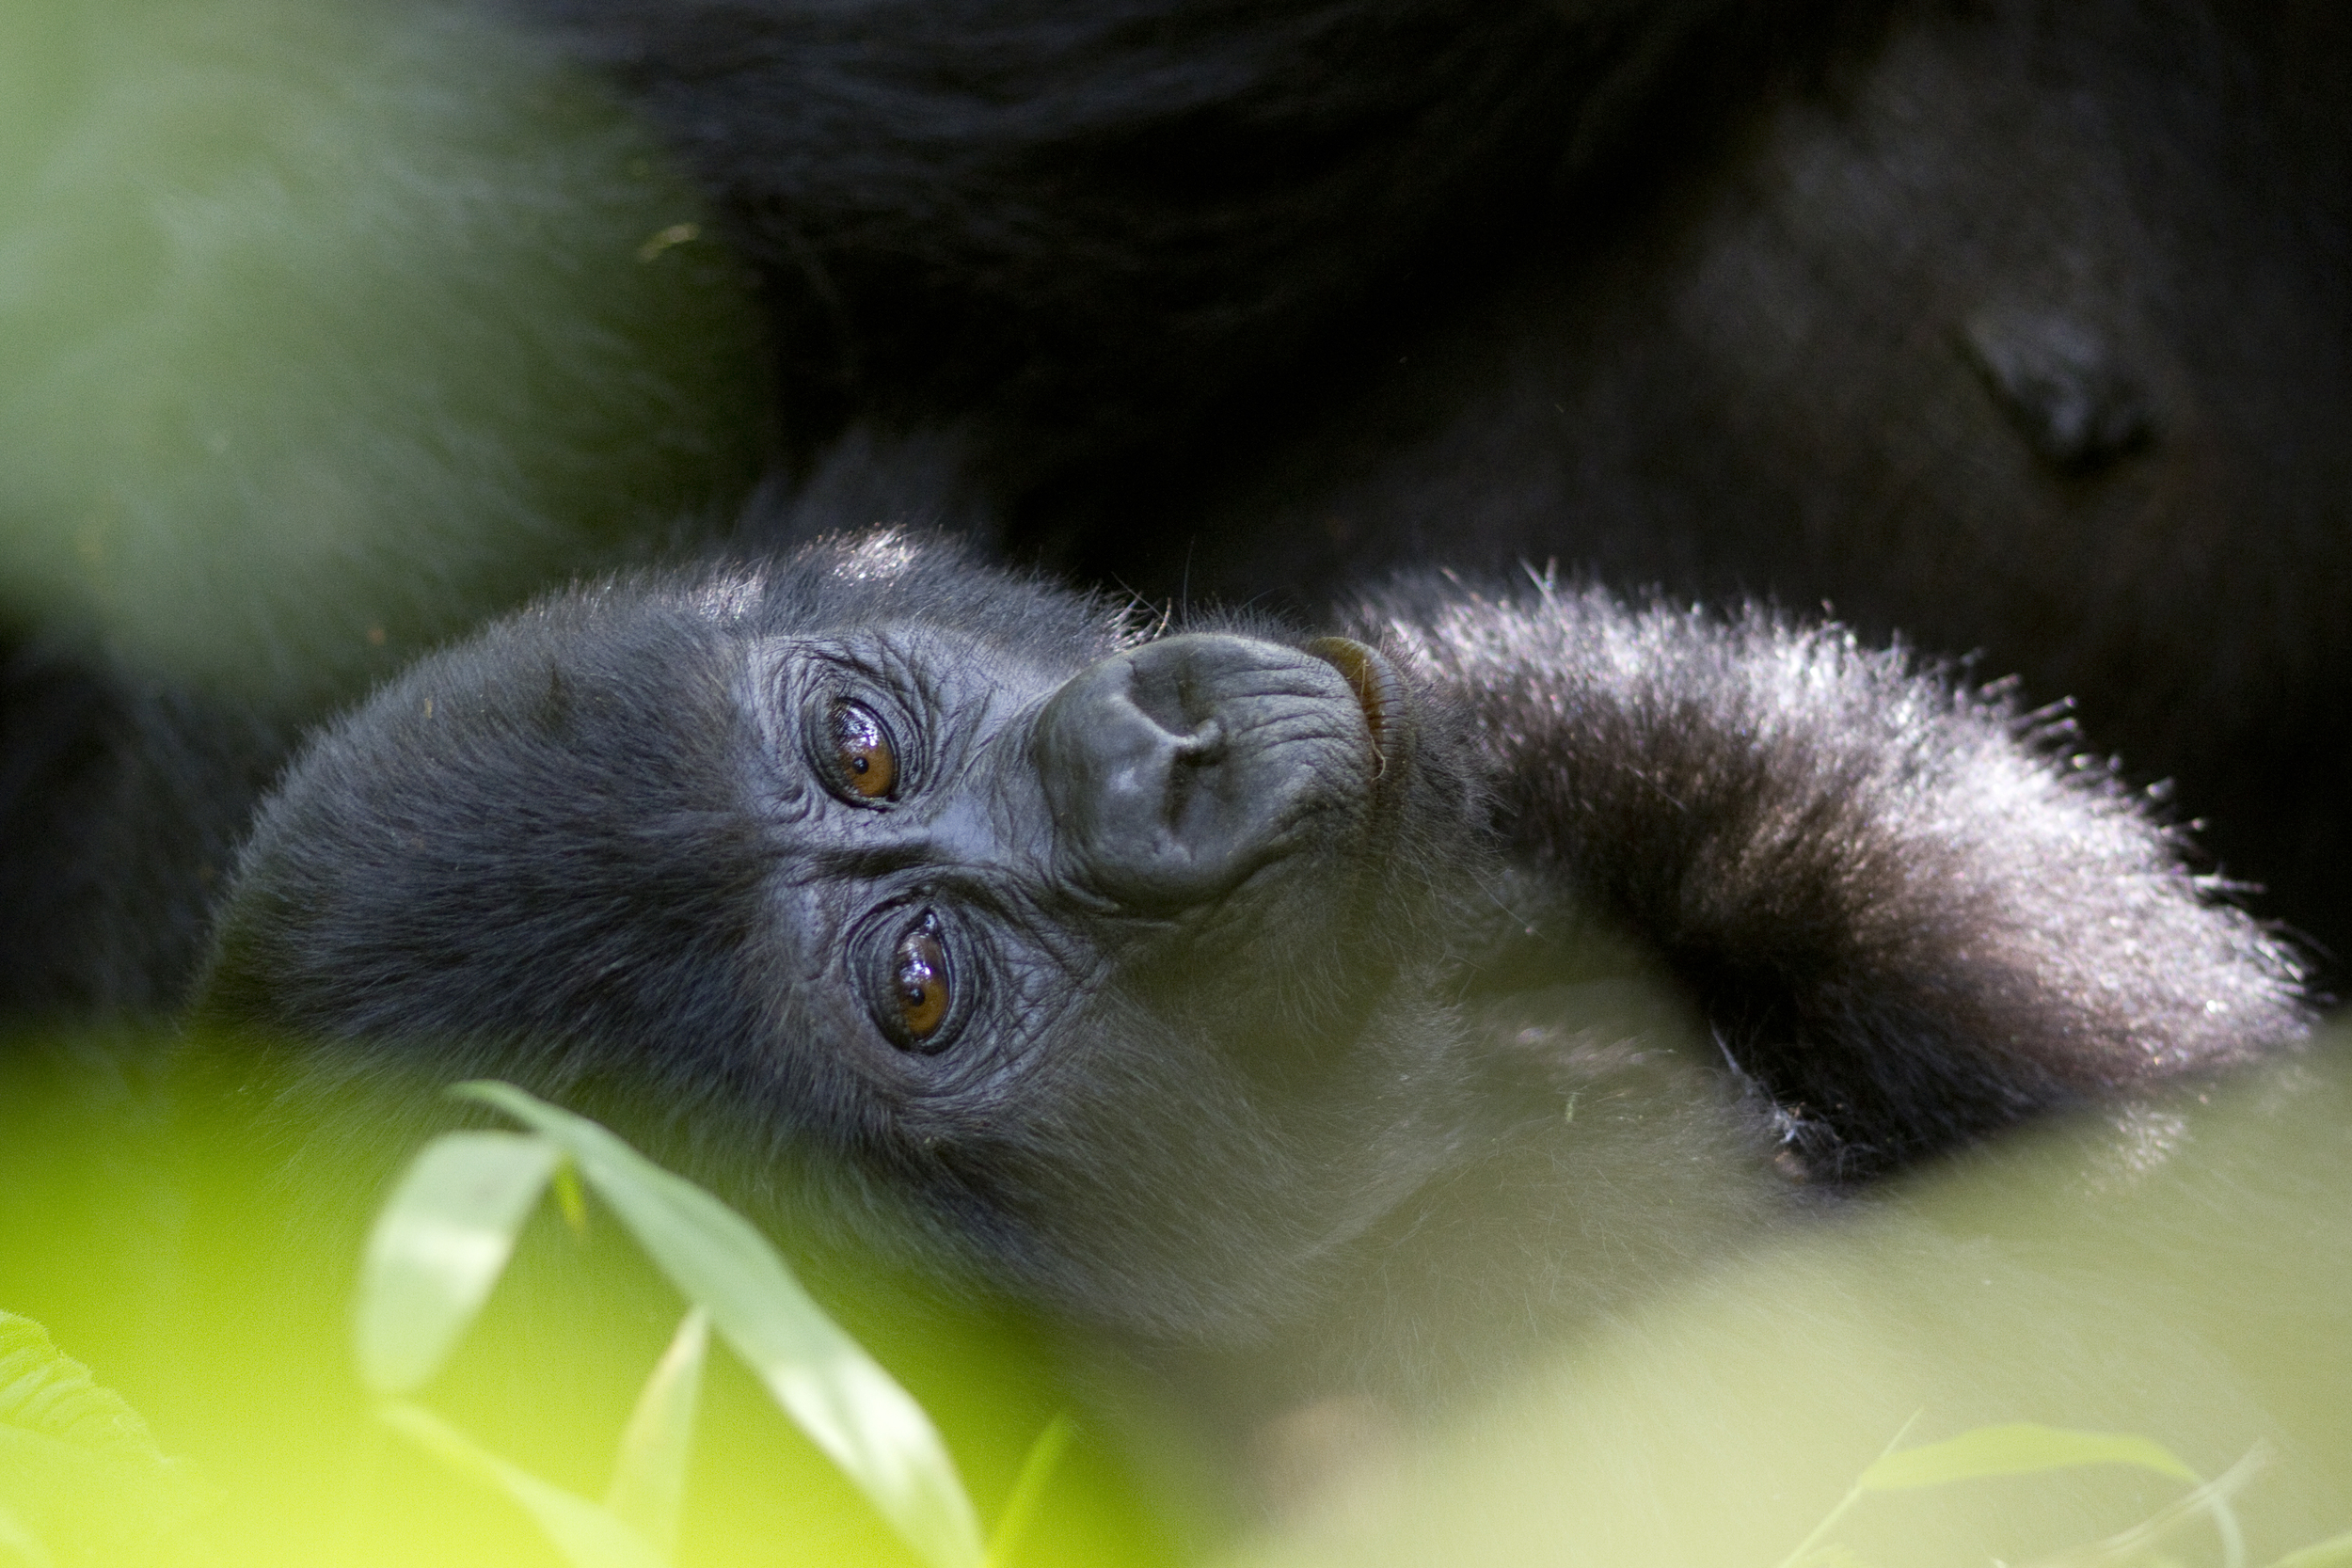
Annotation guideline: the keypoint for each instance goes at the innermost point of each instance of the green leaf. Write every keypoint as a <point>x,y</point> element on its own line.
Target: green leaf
<point>20,1542</point>
<point>2021,1447</point>
<point>1036,1468</point>
<point>587,1535</point>
<point>437,1248</point>
<point>81,1478</point>
<point>649,1473</point>
<point>2334,1552</point>
<point>44,1390</point>
<point>848,1406</point>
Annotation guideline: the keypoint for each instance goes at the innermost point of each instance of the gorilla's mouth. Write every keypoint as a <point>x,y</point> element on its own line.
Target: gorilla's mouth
<point>1377,692</point>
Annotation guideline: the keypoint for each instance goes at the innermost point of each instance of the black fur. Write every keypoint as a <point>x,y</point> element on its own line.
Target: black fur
<point>1244,1070</point>
<point>1081,225</point>
<point>1908,910</point>
<point>2007,327</point>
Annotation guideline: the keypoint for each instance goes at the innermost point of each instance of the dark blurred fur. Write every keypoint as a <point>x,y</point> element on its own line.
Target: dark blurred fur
<point>2002,326</point>
<point>1081,227</point>
<point>122,802</point>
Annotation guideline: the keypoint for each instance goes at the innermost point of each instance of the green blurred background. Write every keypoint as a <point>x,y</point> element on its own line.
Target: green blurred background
<point>2180,1274</point>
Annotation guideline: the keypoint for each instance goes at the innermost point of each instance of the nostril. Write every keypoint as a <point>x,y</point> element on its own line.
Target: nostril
<point>1165,687</point>
<point>1205,746</point>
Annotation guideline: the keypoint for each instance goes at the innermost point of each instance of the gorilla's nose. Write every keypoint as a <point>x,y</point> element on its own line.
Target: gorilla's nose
<point>1176,770</point>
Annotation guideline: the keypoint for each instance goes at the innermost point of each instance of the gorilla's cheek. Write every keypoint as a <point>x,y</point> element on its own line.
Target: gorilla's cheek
<point>1001,972</point>
<point>1128,1169</point>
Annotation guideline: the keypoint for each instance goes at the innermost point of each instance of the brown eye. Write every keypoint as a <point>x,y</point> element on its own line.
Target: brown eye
<point>918,981</point>
<point>862,750</point>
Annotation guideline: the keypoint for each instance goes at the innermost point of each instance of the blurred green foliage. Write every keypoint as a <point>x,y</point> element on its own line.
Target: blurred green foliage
<point>161,1238</point>
<point>2065,1333</point>
<point>330,326</point>
<point>2171,1284</point>
<point>444,1237</point>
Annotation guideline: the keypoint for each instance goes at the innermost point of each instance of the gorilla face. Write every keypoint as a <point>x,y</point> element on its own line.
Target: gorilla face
<point>1078,941</point>
<point>954,842</point>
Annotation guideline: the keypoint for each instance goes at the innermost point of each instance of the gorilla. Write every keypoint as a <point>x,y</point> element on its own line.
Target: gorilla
<point>2012,329</point>
<point>1241,993</point>
<point>1210,987</point>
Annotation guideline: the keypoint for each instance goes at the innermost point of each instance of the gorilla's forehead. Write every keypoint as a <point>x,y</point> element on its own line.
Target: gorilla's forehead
<point>960,680</point>
<point>919,590</point>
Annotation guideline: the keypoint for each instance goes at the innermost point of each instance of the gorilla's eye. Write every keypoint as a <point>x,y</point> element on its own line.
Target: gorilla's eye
<point>919,982</point>
<point>861,750</point>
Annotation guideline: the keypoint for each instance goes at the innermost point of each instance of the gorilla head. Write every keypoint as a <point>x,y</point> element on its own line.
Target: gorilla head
<point>1163,981</point>
<point>1086,943</point>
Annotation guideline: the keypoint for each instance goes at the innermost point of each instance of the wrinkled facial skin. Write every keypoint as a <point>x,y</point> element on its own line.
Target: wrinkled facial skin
<point>937,897</point>
<point>1049,911</point>
<point>940,826</point>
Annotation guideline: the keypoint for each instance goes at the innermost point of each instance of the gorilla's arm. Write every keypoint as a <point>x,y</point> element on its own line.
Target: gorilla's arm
<point>1908,913</point>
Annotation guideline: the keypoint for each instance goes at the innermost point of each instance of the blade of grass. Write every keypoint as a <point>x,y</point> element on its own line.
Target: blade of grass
<point>570,1201</point>
<point>2020,1448</point>
<point>587,1535</point>
<point>1845,1504</point>
<point>2025,1448</point>
<point>2135,1544</point>
<point>649,1472</point>
<point>46,1391</point>
<point>438,1247</point>
<point>850,1407</point>
<point>1036,1468</point>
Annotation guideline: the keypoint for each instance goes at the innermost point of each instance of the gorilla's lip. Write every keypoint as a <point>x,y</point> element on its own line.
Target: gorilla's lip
<point>1374,681</point>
